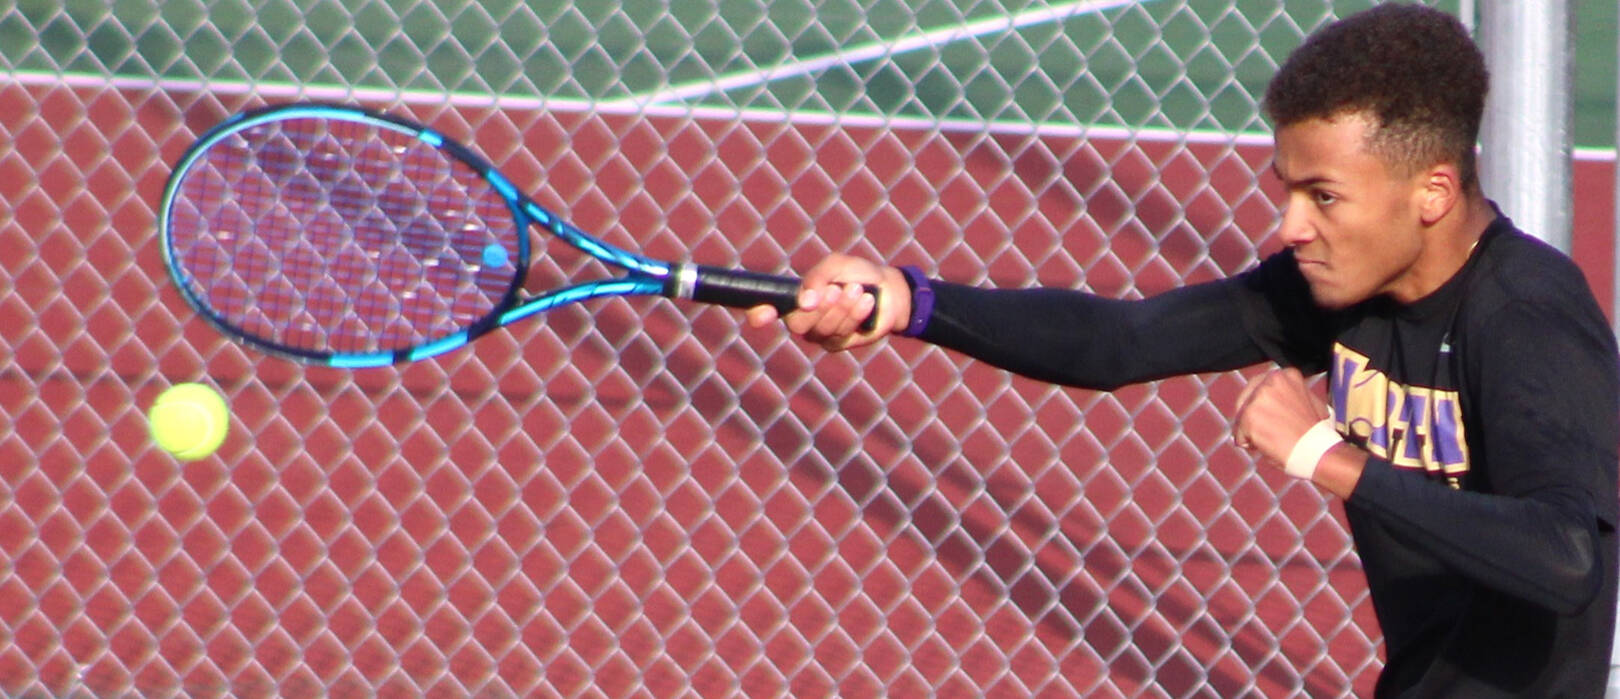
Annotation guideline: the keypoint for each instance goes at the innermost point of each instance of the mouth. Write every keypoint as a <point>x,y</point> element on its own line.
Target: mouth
<point>1315,272</point>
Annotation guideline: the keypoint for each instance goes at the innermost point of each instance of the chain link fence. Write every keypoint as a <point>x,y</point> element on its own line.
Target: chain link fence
<point>640,496</point>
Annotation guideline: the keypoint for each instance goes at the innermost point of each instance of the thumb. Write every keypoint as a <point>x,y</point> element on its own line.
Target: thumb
<point>761,316</point>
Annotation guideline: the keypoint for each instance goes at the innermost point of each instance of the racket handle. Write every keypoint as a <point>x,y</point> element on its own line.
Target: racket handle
<point>739,289</point>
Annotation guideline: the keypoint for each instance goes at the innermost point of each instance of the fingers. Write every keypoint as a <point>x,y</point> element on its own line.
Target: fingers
<point>831,316</point>
<point>761,316</point>
<point>834,303</point>
<point>840,268</point>
<point>1273,411</point>
<point>814,288</point>
<point>1247,395</point>
<point>828,314</point>
<point>1240,435</point>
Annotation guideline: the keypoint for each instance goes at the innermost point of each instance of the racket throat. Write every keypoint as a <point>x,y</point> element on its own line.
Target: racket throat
<point>682,282</point>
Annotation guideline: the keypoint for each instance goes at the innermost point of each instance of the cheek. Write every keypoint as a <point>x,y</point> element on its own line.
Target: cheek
<point>1385,257</point>
<point>1401,247</point>
<point>1367,258</point>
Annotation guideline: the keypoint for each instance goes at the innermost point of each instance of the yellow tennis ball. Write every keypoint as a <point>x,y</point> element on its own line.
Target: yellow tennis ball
<point>189,420</point>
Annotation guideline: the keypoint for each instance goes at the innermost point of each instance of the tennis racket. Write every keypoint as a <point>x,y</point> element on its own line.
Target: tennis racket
<point>346,237</point>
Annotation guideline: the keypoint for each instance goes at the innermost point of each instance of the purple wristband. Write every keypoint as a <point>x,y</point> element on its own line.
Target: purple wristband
<point>922,301</point>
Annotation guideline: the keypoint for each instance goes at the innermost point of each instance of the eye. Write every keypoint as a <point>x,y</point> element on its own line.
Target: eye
<point>1323,198</point>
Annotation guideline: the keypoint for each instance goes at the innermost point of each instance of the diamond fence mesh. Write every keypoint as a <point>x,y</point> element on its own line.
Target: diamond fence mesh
<point>640,496</point>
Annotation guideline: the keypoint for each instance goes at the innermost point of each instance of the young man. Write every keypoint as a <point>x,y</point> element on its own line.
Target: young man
<point>1473,414</point>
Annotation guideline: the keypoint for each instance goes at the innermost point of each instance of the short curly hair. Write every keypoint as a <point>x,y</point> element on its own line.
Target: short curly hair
<point>1413,69</point>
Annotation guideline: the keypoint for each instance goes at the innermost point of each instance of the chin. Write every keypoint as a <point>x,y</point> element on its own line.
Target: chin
<point>1332,301</point>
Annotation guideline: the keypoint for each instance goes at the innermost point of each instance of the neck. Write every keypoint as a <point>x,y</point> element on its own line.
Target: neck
<point>1451,241</point>
<point>1479,216</point>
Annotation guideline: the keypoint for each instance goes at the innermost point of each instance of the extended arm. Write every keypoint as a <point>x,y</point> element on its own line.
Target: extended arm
<point>1072,337</point>
<point>1079,339</point>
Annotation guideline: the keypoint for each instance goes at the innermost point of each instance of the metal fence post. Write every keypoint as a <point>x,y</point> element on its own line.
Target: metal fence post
<point>1526,136</point>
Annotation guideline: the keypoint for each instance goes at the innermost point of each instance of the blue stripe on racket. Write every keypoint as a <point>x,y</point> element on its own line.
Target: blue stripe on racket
<point>346,237</point>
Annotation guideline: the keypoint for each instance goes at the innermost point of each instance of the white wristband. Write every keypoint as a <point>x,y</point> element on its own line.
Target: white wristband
<point>1310,449</point>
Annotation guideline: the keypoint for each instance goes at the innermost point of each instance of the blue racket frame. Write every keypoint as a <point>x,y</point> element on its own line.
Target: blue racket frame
<point>644,276</point>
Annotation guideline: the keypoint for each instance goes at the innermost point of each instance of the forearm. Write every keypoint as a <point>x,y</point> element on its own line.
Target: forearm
<point>1079,339</point>
<point>1540,547</point>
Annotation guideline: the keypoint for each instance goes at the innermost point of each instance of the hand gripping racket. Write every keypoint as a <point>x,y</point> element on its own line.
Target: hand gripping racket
<point>341,236</point>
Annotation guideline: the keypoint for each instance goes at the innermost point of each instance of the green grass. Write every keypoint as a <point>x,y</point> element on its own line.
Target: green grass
<point>1195,65</point>
<point>1597,27</point>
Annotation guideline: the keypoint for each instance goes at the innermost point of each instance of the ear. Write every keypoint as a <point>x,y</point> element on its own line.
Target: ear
<point>1440,191</point>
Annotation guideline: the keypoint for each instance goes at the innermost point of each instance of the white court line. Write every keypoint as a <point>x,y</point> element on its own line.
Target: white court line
<point>1594,154</point>
<point>876,50</point>
<point>270,91</point>
<point>279,91</point>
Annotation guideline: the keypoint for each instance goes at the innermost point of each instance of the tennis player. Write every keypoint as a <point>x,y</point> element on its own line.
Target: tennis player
<point>1472,413</point>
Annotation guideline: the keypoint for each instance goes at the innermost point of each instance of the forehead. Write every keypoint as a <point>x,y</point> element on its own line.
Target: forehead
<point>1333,148</point>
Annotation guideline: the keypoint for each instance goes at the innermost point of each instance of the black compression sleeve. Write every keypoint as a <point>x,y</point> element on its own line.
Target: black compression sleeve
<point>1543,445</point>
<point>1079,339</point>
<point>1541,548</point>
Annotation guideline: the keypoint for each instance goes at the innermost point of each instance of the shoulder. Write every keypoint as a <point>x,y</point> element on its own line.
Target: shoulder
<point>1526,288</point>
<point>1515,269</point>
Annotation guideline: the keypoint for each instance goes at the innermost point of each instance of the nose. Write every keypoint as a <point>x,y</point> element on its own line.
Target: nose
<point>1296,228</point>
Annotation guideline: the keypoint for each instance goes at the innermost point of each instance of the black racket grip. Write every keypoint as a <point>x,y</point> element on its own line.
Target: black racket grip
<point>739,289</point>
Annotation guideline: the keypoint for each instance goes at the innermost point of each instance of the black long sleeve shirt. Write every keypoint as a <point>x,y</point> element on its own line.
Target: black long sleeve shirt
<point>1490,411</point>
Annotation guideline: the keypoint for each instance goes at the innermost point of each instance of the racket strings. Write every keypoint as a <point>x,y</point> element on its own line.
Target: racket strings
<point>343,237</point>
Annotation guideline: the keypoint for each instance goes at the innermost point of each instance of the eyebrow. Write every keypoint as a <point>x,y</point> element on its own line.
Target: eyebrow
<point>1295,184</point>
